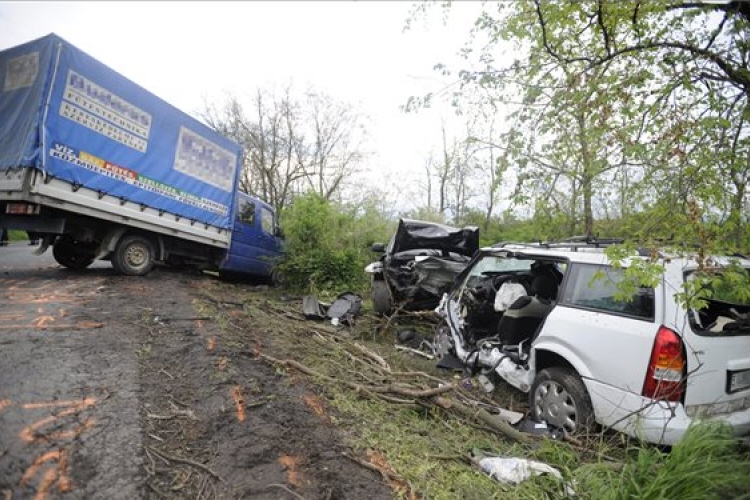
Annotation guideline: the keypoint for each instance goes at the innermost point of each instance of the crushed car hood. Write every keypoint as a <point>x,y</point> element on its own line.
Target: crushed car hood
<point>417,234</point>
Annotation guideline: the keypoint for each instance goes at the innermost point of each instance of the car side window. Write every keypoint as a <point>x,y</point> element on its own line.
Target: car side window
<point>246,213</point>
<point>266,220</point>
<point>595,287</point>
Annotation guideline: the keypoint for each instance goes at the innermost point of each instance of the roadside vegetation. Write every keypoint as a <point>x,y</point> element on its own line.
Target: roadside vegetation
<point>384,401</point>
<point>596,119</point>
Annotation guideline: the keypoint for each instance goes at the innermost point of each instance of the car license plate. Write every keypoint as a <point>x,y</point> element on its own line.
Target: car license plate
<point>739,380</point>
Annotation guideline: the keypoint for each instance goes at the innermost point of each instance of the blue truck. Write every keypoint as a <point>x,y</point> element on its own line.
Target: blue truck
<point>100,168</point>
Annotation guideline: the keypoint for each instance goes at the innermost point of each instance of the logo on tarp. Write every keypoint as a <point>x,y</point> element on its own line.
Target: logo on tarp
<point>123,174</point>
<point>21,72</point>
<point>98,109</point>
<point>203,160</point>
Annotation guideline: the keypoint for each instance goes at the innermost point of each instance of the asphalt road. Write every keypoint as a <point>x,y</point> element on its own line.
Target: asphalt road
<point>69,421</point>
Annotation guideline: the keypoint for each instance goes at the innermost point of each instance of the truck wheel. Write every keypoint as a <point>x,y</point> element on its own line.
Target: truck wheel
<point>559,398</point>
<point>277,277</point>
<point>133,256</point>
<point>381,297</point>
<point>68,254</point>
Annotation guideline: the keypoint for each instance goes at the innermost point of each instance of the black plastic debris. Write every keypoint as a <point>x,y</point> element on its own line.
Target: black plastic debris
<point>345,308</point>
<point>342,311</point>
<point>313,309</point>
<point>409,338</point>
<point>451,363</point>
<point>535,428</point>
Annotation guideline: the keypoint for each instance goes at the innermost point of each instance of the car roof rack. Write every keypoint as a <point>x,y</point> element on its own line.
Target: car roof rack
<point>574,243</point>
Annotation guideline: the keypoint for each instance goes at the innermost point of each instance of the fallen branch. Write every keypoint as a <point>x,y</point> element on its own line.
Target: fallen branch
<point>177,413</point>
<point>433,395</point>
<point>373,356</point>
<point>492,421</point>
<point>282,487</point>
<point>413,351</point>
<point>390,318</point>
<point>186,461</point>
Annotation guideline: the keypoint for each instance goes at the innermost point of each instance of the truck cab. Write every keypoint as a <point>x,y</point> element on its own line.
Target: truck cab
<point>257,242</point>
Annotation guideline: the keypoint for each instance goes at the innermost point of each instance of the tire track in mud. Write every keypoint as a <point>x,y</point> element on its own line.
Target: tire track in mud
<point>66,389</point>
<point>207,399</point>
<point>118,387</point>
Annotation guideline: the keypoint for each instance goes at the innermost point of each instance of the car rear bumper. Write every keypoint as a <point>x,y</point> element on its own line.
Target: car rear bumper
<point>656,422</point>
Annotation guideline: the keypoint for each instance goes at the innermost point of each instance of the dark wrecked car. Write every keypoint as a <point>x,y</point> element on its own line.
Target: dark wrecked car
<point>419,264</point>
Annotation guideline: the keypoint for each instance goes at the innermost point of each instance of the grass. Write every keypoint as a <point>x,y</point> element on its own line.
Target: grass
<point>427,447</point>
<point>17,235</point>
<point>705,464</point>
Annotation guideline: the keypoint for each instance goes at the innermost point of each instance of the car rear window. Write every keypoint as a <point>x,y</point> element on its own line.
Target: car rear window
<point>725,305</point>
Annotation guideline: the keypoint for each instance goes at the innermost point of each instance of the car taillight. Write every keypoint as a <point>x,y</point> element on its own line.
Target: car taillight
<point>665,377</point>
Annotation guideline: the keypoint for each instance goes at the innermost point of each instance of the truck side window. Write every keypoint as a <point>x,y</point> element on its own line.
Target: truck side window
<point>246,212</point>
<point>266,220</point>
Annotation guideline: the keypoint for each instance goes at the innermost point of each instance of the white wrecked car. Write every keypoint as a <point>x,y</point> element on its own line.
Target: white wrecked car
<point>544,317</point>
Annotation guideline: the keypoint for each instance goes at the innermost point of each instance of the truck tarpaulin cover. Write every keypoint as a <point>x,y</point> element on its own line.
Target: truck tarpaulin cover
<point>66,113</point>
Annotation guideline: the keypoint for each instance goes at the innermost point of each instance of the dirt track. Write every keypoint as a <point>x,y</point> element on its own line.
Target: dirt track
<point>115,387</point>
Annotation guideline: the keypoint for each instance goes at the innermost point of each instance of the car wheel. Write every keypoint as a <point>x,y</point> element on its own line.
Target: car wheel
<point>381,297</point>
<point>133,256</point>
<point>71,254</point>
<point>559,398</point>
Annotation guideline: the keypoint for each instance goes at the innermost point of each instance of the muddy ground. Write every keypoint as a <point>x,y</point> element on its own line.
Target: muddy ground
<point>262,433</point>
<point>151,388</point>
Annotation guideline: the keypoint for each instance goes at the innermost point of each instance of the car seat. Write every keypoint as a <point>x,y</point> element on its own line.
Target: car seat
<point>522,319</point>
<point>544,286</point>
<point>521,322</point>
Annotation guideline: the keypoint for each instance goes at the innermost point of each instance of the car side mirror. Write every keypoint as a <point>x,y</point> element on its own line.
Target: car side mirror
<point>378,247</point>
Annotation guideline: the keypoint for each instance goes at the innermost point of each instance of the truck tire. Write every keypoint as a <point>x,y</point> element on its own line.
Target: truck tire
<point>277,277</point>
<point>69,254</point>
<point>133,255</point>
<point>559,398</point>
<point>381,297</point>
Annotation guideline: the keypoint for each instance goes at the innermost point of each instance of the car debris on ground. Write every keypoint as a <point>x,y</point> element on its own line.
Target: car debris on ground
<point>341,311</point>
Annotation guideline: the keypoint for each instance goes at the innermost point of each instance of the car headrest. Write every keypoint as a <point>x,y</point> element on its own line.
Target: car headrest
<point>544,286</point>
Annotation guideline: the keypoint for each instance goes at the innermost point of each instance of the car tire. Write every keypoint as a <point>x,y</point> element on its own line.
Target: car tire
<point>559,398</point>
<point>381,297</point>
<point>133,255</point>
<point>71,254</point>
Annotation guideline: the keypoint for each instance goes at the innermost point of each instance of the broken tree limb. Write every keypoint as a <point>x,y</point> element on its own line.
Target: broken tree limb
<point>186,461</point>
<point>493,422</point>
<point>433,395</point>
<point>413,351</point>
<point>384,327</point>
<point>282,487</point>
<point>373,356</point>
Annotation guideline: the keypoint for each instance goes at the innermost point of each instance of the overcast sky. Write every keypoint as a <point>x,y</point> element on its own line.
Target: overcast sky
<point>186,52</point>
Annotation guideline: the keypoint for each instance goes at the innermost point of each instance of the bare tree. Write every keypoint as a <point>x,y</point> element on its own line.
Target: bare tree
<point>333,152</point>
<point>292,145</point>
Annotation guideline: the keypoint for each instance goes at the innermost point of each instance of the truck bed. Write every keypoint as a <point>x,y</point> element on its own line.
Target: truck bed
<point>76,135</point>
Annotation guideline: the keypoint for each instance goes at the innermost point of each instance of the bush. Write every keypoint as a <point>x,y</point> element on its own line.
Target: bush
<point>328,244</point>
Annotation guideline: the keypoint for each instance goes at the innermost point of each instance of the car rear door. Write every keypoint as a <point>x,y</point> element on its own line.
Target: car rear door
<point>606,339</point>
<point>718,362</point>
